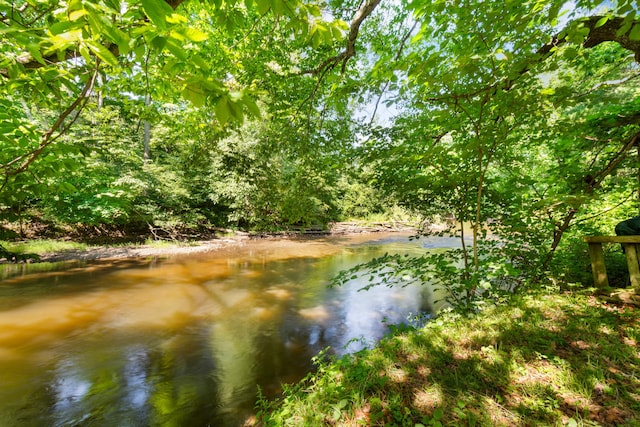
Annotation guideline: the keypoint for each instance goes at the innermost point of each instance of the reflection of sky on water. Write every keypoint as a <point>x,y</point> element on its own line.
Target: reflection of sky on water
<point>69,388</point>
<point>364,312</point>
<point>186,341</point>
<point>425,242</point>
<point>433,242</point>
<point>137,385</point>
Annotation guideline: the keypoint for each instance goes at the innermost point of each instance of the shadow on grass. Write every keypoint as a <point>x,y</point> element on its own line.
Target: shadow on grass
<point>544,360</point>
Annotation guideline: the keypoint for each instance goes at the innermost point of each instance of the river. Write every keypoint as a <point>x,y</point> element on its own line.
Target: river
<point>187,340</point>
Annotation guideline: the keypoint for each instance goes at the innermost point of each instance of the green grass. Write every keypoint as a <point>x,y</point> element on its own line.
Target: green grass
<point>543,360</point>
<point>43,246</point>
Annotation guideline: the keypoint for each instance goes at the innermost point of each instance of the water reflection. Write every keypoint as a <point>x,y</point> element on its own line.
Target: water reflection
<point>185,341</point>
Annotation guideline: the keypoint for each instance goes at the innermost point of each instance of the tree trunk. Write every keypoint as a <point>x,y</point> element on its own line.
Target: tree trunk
<point>147,133</point>
<point>638,159</point>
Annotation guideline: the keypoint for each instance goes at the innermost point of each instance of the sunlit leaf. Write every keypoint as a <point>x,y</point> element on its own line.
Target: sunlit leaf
<point>176,18</point>
<point>195,35</point>
<point>602,21</point>
<point>102,53</point>
<point>77,14</point>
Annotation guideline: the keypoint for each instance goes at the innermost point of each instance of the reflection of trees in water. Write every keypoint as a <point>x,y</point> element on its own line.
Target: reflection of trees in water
<point>233,347</point>
<point>183,388</point>
<point>125,383</point>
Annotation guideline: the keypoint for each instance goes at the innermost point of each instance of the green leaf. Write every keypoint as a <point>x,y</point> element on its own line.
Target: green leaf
<point>63,27</point>
<point>74,5</point>
<point>177,50</point>
<point>634,34</point>
<point>159,42</point>
<point>263,6</point>
<point>173,67</point>
<point>114,5</point>
<point>102,52</point>
<point>223,110</point>
<point>626,26</point>
<point>85,53</point>
<point>195,94</point>
<point>34,50</point>
<point>200,62</point>
<point>601,21</point>
<point>251,105</point>
<point>337,33</point>
<point>63,41</point>
<point>140,51</point>
<point>103,26</point>
<point>67,187</point>
<point>278,7</point>
<point>157,11</point>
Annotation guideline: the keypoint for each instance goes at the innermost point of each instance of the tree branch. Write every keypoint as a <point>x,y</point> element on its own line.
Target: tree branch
<point>610,83</point>
<point>396,57</point>
<point>365,9</point>
<point>48,137</point>
<point>620,155</point>
<point>607,32</point>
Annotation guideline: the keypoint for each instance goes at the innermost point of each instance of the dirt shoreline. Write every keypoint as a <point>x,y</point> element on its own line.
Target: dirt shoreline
<point>181,248</point>
<point>135,251</point>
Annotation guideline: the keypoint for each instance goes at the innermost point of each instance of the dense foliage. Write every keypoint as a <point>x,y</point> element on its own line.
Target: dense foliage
<point>146,113</point>
<point>519,119</point>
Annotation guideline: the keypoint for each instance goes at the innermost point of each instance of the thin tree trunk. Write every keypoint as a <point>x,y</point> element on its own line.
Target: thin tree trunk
<point>147,133</point>
<point>638,159</point>
<point>464,247</point>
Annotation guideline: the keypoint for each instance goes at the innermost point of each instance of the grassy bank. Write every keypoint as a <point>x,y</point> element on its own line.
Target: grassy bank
<point>43,246</point>
<point>545,359</point>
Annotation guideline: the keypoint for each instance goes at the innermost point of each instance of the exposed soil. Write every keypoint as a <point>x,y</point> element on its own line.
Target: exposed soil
<point>132,251</point>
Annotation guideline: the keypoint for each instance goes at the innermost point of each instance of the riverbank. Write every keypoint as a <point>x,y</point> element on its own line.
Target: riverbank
<point>67,250</point>
<point>544,359</point>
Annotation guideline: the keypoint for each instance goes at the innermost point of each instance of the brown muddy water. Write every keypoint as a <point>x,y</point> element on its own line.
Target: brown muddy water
<point>187,341</point>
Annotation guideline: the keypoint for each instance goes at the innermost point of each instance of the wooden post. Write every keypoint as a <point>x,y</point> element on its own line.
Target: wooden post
<point>597,265</point>
<point>632,248</point>
<point>631,251</point>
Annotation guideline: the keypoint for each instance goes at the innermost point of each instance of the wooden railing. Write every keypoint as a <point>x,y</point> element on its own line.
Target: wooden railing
<point>631,249</point>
